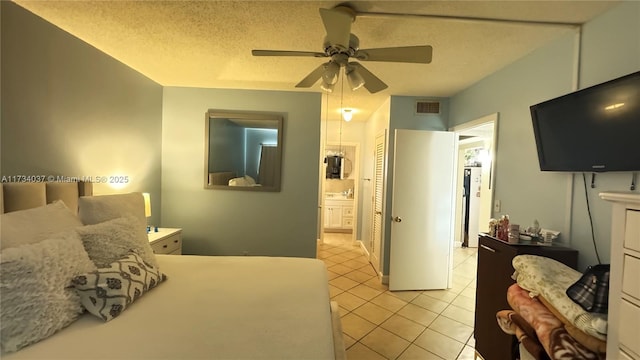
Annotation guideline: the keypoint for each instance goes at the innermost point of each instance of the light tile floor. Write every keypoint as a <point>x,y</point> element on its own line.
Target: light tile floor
<point>380,324</point>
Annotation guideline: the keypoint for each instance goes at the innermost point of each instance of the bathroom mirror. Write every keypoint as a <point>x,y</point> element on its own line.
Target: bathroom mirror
<point>243,150</point>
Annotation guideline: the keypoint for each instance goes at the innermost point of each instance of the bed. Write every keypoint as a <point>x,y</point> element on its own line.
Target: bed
<point>213,307</point>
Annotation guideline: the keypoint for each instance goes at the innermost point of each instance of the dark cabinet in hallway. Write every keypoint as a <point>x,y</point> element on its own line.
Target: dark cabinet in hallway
<point>493,279</point>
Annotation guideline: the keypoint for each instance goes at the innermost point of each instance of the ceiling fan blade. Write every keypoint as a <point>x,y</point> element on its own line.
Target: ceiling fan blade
<point>286,53</point>
<point>314,76</point>
<point>371,82</point>
<point>409,54</point>
<point>337,23</point>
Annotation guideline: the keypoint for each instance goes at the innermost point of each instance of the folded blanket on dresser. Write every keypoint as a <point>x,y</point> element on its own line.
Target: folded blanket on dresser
<point>512,323</point>
<point>590,342</point>
<point>550,331</point>
<point>550,279</point>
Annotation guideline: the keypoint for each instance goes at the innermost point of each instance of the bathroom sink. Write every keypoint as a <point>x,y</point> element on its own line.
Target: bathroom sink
<point>335,196</point>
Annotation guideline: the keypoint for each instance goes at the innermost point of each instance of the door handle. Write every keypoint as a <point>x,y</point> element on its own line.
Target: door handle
<point>487,248</point>
<point>396,219</point>
<point>378,212</point>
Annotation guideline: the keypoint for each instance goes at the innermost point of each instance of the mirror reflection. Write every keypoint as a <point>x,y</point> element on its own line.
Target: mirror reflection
<point>243,151</point>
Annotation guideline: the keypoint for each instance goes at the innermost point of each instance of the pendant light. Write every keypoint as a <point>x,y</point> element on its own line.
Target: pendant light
<point>347,115</point>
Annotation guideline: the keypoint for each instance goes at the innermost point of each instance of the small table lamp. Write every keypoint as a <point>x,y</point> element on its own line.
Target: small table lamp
<point>147,208</point>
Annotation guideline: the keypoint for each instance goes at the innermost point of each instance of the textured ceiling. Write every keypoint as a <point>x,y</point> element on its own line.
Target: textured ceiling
<point>209,43</point>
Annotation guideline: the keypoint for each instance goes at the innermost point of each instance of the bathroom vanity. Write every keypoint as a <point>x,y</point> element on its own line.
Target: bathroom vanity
<point>338,213</point>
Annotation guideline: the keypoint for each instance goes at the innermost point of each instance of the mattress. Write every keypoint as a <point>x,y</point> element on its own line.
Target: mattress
<point>211,307</point>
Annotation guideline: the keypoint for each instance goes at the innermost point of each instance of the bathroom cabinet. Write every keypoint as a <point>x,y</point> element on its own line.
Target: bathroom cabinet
<point>338,214</point>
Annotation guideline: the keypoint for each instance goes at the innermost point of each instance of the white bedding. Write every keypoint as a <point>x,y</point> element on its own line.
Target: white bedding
<point>210,307</point>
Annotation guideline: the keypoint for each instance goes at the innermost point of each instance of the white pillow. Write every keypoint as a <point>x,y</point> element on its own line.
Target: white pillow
<point>97,209</point>
<point>34,225</point>
<point>114,239</point>
<point>35,289</point>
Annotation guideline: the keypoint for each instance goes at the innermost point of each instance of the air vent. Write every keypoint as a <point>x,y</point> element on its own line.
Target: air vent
<point>427,107</point>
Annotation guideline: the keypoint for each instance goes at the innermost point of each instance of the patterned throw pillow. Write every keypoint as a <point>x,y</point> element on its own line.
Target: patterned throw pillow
<point>108,291</point>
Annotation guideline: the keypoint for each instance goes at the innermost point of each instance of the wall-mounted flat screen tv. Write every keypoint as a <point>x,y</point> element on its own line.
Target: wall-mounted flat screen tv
<point>591,130</point>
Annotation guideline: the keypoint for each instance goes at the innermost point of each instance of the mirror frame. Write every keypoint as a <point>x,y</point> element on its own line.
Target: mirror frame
<point>244,115</point>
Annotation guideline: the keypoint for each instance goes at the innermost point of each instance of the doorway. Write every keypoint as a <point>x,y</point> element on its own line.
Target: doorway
<point>477,145</point>
<point>340,190</point>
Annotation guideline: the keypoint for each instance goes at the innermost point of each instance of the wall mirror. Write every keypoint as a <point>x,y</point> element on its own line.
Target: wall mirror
<point>243,150</point>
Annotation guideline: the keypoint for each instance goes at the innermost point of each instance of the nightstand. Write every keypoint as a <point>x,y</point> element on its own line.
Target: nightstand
<point>166,241</point>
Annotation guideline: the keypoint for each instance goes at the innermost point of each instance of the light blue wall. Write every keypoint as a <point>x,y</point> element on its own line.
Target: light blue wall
<point>224,222</point>
<point>609,49</point>
<point>69,109</point>
<point>226,147</point>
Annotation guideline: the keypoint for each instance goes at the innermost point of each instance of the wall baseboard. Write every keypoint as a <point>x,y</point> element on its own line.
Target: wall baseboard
<point>384,279</point>
<point>364,249</point>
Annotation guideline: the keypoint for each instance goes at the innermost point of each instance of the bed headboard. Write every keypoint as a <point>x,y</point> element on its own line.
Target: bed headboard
<point>21,196</point>
<point>221,178</point>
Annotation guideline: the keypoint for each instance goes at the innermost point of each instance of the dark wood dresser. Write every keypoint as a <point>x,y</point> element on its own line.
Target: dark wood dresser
<point>494,278</point>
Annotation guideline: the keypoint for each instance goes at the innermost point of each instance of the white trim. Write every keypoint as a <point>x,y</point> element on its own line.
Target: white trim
<point>384,279</point>
<point>475,123</point>
<point>364,248</point>
<point>491,119</point>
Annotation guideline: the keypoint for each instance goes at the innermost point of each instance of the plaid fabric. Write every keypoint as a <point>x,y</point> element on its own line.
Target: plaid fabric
<point>591,291</point>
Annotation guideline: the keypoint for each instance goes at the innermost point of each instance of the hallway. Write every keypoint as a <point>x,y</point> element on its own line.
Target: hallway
<point>379,324</point>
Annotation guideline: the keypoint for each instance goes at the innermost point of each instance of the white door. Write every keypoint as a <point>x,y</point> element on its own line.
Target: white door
<point>378,196</point>
<point>422,210</point>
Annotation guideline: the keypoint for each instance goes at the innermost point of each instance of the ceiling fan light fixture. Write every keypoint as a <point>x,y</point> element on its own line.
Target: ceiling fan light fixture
<point>356,81</point>
<point>331,72</point>
<point>326,86</point>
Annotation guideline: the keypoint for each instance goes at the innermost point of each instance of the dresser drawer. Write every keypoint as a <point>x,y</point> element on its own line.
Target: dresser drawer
<point>629,320</point>
<point>632,230</point>
<point>167,245</point>
<point>630,283</point>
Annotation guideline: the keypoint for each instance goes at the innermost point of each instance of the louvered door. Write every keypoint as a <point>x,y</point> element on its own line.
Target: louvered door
<point>378,196</point>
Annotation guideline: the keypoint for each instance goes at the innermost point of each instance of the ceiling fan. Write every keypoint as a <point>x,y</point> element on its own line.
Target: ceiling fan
<point>340,45</point>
